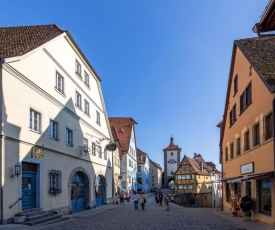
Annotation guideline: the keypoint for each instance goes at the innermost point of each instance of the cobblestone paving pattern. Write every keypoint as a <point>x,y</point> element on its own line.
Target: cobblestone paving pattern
<point>118,217</point>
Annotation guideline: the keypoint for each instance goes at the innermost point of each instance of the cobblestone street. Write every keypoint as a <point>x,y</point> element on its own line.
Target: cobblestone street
<point>153,217</point>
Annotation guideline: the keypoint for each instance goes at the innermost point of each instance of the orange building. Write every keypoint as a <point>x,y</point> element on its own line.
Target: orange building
<point>247,142</point>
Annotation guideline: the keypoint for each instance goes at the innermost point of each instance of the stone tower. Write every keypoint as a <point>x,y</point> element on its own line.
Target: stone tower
<point>171,162</point>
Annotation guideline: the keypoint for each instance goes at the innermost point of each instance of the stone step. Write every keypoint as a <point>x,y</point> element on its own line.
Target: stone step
<point>43,219</point>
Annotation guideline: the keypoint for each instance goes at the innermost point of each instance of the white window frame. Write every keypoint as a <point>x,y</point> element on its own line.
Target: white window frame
<point>53,130</point>
<point>97,117</point>
<point>35,120</point>
<point>105,154</point>
<point>77,68</point>
<point>86,107</point>
<point>86,79</point>
<point>78,100</point>
<point>69,137</point>
<point>59,82</point>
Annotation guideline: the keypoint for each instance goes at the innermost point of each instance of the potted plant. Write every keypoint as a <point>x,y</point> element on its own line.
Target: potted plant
<point>246,203</point>
<point>19,217</point>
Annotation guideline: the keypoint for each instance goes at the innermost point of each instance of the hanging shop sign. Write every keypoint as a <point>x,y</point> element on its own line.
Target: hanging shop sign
<point>111,147</point>
<point>38,153</point>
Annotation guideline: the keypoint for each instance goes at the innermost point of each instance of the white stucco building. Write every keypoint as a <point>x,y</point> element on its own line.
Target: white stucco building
<point>54,124</point>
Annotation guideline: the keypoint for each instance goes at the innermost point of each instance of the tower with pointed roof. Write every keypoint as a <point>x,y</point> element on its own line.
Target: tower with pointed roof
<point>171,162</point>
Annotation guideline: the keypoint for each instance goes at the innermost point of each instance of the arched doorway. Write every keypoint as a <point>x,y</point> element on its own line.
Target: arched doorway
<point>78,192</point>
<point>171,184</point>
<point>99,190</point>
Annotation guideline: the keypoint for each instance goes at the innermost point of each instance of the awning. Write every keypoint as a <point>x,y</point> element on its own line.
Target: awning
<point>237,179</point>
<point>259,176</point>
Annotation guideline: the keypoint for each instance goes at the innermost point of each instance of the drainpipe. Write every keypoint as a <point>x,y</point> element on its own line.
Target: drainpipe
<point>1,139</point>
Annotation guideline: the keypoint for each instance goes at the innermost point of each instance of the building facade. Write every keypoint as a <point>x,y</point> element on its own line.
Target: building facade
<point>142,172</point>
<point>125,131</point>
<point>247,137</point>
<point>193,183</point>
<point>54,124</point>
<point>171,163</point>
<point>155,175</point>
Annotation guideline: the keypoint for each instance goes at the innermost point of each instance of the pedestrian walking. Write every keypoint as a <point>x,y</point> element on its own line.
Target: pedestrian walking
<point>157,196</point>
<point>121,198</point>
<point>136,199</point>
<point>160,198</point>
<point>142,201</point>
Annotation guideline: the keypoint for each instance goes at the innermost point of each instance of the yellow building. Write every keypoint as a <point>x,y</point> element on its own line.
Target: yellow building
<point>193,182</point>
<point>247,142</point>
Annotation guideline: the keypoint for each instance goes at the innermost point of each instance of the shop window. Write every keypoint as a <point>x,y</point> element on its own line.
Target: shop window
<point>265,201</point>
<point>228,192</point>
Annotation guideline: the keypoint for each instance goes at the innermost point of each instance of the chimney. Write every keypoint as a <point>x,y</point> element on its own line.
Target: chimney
<point>201,166</point>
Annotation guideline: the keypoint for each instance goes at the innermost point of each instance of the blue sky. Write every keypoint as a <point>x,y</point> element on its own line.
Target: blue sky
<point>163,63</point>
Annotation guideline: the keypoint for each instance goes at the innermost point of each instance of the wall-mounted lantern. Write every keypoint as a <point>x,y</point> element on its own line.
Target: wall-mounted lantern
<point>17,170</point>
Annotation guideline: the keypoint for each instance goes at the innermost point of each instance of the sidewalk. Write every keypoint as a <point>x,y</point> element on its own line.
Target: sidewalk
<point>244,222</point>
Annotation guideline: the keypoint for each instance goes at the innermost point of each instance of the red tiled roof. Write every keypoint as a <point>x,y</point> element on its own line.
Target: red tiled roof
<point>123,127</point>
<point>172,147</point>
<point>16,41</point>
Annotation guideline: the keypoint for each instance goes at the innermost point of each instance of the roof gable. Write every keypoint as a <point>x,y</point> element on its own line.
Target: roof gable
<point>17,41</point>
<point>123,127</point>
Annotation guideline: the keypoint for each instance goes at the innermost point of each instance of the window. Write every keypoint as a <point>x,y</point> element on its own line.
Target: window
<point>139,157</point>
<point>53,130</point>
<point>35,120</point>
<point>179,177</point>
<point>99,150</point>
<point>59,83</point>
<point>238,147</point>
<point>105,154</point>
<point>268,133</point>
<point>226,154</point>
<point>86,79</point>
<point>78,99</point>
<point>77,68</point>
<point>246,98</point>
<point>265,200</point>
<point>85,143</point>
<point>236,84</point>
<point>97,117</point>
<point>153,178</point>
<point>93,148</point>
<point>86,107</point>
<point>231,151</point>
<point>172,153</point>
<point>256,134</point>
<point>246,141</point>
<point>69,137</point>
<point>233,116</point>
<point>55,182</point>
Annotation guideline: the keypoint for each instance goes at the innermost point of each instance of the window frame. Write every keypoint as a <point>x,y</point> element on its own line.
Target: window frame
<point>231,150</point>
<point>233,115</point>
<point>35,120</point>
<point>86,107</point>
<point>246,140</point>
<point>86,79</point>
<point>256,134</point>
<point>69,137</point>
<point>238,146</point>
<point>97,117</point>
<point>226,154</point>
<point>54,130</point>
<point>78,100</point>
<point>246,98</point>
<point>59,82</point>
<point>268,124</point>
<point>78,68</point>
<point>235,84</point>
